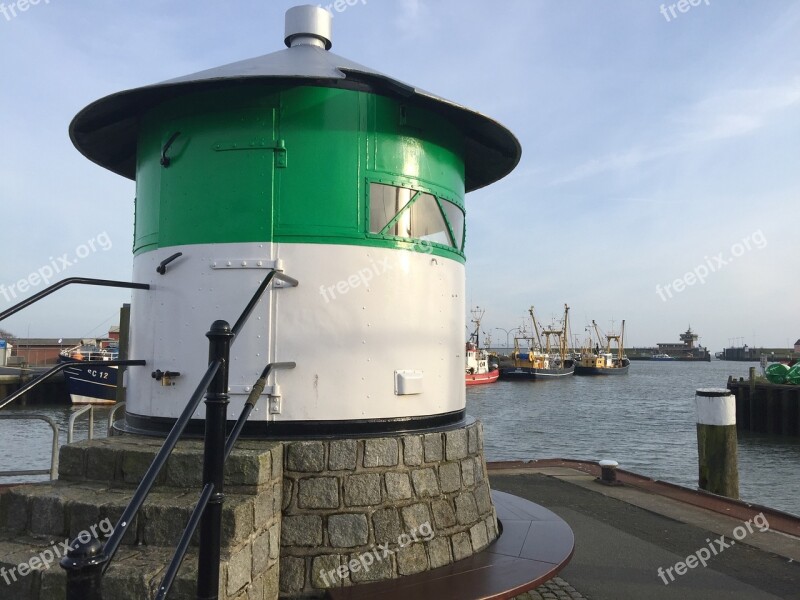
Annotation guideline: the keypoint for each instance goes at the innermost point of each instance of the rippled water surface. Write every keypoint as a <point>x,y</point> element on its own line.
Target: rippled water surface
<point>645,420</point>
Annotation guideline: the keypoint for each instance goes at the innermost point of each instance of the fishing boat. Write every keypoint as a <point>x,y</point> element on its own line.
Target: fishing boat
<point>604,360</point>
<point>533,359</point>
<point>90,384</point>
<point>479,366</point>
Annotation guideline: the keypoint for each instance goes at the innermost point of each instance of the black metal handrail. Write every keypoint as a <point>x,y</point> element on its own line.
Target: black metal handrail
<point>208,488</point>
<point>257,296</point>
<point>250,403</point>
<point>60,367</point>
<point>65,282</point>
<point>86,563</point>
<point>160,459</point>
<point>183,544</point>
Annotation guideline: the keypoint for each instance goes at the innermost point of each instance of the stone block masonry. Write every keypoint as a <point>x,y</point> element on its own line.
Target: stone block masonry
<point>299,516</point>
<point>96,481</point>
<point>345,499</point>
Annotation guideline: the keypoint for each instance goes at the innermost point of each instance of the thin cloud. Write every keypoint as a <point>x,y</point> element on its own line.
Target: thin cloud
<point>738,112</point>
<point>412,19</point>
<point>730,114</point>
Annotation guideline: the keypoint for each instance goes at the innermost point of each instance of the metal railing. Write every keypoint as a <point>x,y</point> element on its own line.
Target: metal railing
<point>69,281</point>
<point>46,292</point>
<point>50,372</point>
<point>73,417</point>
<point>86,562</point>
<point>117,407</point>
<point>53,470</point>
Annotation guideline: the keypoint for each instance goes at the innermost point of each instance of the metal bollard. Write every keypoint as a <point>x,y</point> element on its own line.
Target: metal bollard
<point>608,472</point>
<point>84,566</point>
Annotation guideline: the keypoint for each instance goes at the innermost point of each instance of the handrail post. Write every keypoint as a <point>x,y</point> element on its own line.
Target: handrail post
<point>84,565</point>
<point>220,337</point>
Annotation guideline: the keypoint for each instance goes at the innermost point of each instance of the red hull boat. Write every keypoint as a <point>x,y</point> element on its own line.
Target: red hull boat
<point>480,378</point>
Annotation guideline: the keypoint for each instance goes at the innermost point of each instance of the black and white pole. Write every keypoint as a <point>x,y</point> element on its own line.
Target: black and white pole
<point>716,442</point>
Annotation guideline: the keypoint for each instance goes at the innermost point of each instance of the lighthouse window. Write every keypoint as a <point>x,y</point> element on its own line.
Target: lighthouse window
<point>455,216</point>
<point>407,213</point>
<point>385,201</point>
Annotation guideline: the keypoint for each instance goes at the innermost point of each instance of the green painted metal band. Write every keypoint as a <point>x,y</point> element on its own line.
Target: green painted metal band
<point>260,163</point>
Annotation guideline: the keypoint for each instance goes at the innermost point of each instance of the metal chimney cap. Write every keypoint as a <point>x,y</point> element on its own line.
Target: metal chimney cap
<point>308,25</point>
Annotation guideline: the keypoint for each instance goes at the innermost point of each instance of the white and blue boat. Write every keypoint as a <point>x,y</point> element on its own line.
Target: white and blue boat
<point>90,384</point>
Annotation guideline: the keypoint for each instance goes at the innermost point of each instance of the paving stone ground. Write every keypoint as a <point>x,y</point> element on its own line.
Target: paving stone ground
<point>555,589</point>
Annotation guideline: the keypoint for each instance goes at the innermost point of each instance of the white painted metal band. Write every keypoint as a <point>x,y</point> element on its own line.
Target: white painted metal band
<point>377,333</point>
<point>716,410</point>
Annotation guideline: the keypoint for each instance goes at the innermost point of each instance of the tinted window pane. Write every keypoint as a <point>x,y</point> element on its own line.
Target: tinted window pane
<point>385,201</point>
<point>456,218</point>
<point>426,221</point>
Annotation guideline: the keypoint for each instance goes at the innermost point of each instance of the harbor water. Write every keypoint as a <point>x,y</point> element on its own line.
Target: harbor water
<point>645,420</point>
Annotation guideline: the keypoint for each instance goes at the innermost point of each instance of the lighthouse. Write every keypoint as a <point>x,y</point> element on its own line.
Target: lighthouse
<point>298,260</point>
<point>345,180</point>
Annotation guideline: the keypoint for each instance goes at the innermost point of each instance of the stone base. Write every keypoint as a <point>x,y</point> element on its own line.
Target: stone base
<point>359,510</point>
<point>299,517</point>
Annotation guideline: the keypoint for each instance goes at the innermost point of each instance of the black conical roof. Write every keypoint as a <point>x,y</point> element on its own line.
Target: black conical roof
<point>106,131</point>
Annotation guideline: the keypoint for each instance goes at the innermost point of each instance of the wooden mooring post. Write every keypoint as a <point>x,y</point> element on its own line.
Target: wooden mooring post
<point>718,469</point>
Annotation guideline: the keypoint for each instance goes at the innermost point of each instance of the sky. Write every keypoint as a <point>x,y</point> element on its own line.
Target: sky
<point>659,180</point>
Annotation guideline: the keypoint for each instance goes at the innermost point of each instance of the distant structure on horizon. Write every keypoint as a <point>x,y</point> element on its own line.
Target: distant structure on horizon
<point>688,338</point>
<point>683,350</point>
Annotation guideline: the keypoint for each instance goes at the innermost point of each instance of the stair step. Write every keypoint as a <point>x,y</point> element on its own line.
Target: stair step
<point>125,459</point>
<point>134,574</point>
<point>66,508</point>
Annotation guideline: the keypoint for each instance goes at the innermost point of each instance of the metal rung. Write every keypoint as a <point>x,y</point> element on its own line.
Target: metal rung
<point>53,471</point>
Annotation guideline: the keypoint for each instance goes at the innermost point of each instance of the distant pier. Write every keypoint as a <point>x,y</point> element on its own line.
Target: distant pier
<point>53,391</point>
<point>763,407</point>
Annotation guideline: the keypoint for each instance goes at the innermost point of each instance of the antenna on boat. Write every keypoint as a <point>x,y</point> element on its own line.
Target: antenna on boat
<point>477,316</point>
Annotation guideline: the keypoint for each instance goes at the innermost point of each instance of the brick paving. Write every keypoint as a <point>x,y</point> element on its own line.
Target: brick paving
<point>555,589</point>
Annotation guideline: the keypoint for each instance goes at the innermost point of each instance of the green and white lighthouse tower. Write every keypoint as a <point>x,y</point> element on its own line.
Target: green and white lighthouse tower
<point>345,179</point>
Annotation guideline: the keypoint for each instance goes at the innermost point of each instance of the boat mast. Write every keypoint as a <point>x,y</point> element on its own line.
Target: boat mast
<point>535,327</point>
<point>597,331</point>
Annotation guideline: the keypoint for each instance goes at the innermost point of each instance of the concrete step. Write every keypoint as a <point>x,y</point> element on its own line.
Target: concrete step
<point>123,460</point>
<point>29,570</point>
<point>64,509</point>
